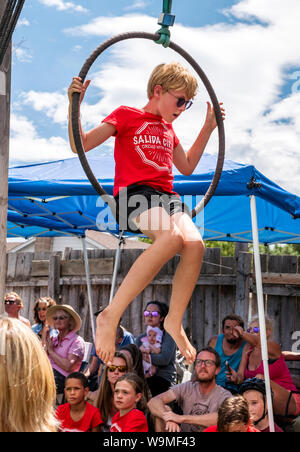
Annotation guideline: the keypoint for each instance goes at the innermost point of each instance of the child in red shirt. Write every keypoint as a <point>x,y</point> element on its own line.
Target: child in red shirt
<point>146,148</point>
<point>233,417</point>
<point>127,396</point>
<point>78,415</point>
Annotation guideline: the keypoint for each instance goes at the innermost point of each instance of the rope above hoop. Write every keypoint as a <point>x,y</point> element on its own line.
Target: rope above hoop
<point>76,105</point>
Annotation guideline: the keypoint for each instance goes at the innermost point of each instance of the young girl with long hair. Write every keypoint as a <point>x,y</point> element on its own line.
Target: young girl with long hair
<point>104,399</point>
<point>129,399</point>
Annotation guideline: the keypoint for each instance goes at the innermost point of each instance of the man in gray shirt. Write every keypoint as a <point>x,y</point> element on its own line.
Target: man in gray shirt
<point>199,398</point>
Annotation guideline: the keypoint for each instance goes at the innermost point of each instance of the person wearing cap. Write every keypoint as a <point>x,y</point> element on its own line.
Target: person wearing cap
<point>66,350</point>
<point>254,391</point>
<point>13,304</point>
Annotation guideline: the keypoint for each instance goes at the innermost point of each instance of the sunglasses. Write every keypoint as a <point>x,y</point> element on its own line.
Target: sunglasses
<point>152,314</point>
<point>181,101</point>
<point>60,317</point>
<point>254,330</point>
<point>120,368</point>
<point>10,301</point>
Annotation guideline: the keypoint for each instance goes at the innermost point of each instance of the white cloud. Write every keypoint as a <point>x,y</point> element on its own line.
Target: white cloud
<point>22,54</point>
<point>139,4</point>
<point>62,5</point>
<point>25,141</point>
<point>107,26</point>
<point>23,22</point>
<point>54,105</point>
<point>247,62</point>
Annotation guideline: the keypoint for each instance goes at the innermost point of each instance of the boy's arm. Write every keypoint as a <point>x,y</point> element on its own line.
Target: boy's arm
<point>186,162</point>
<point>94,137</point>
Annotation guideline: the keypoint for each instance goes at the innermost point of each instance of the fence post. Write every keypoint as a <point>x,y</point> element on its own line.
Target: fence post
<point>5,94</point>
<point>54,277</point>
<point>243,274</point>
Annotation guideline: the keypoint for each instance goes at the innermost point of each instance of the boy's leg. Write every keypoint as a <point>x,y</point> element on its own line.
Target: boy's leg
<point>167,241</point>
<point>184,282</point>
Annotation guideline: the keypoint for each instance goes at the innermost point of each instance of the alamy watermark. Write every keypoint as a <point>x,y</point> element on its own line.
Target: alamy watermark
<point>296,344</point>
<point>127,211</point>
<point>296,85</point>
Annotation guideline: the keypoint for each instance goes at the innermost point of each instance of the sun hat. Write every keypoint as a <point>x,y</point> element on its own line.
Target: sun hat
<point>63,307</point>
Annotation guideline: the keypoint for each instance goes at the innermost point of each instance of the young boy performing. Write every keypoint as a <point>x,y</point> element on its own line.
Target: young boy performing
<point>146,147</point>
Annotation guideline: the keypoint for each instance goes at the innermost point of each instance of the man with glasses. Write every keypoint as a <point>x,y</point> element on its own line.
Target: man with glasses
<point>199,398</point>
<point>13,305</point>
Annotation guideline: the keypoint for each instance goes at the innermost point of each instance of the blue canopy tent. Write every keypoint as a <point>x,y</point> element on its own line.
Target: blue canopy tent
<point>56,198</point>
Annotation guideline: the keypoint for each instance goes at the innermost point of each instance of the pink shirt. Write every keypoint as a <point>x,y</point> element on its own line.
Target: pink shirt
<point>72,344</point>
<point>279,372</point>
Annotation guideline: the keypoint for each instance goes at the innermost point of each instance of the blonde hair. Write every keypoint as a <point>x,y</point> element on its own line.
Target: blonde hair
<point>269,323</point>
<point>172,76</point>
<point>27,387</point>
<point>17,297</point>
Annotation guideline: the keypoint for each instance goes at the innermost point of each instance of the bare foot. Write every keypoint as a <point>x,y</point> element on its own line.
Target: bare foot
<point>105,339</point>
<point>182,342</point>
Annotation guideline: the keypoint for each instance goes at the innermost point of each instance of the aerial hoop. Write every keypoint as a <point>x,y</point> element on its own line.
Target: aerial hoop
<point>76,105</point>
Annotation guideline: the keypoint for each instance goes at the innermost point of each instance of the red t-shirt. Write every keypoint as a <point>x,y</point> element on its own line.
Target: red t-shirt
<point>214,429</point>
<point>89,420</point>
<point>134,421</point>
<point>144,148</point>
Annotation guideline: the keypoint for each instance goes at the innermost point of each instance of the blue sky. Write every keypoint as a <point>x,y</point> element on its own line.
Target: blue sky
<point>249,50</point>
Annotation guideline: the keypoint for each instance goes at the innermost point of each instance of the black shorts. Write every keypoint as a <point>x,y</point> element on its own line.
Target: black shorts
<point>136,199</point>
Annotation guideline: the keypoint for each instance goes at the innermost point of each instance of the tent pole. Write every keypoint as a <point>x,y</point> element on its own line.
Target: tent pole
<point>261,310</point>
<point>116,267</point>
<point>89,288</point>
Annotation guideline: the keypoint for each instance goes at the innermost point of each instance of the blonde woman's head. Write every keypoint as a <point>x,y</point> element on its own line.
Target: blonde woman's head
<point>269,325</point>
<point>14,296</point>
<point>27,387</point>
<point>172,76</point>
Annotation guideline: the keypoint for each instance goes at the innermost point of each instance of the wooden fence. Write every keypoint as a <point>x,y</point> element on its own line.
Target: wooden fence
<point>225,285</point>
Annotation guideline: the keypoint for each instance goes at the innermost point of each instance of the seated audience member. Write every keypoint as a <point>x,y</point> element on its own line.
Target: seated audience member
<point>233,417</point>
<point>151,344</point>
<point>41,326</point>
<point>136,357</point>
<point>129,400</point>
<point>13,304</point>
<point>27,387</point>
<point>94,371</point>
<point>254,392</point>
<point>77,415</point>
<point>230,349</point>
<point>199,399</point>
<point>66,350</point>
<point>285,401</point>
<point>165,376</point>
<point>103,398</point>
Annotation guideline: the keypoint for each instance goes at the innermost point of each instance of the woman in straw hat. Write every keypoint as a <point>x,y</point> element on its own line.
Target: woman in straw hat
<point>66,350</point>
